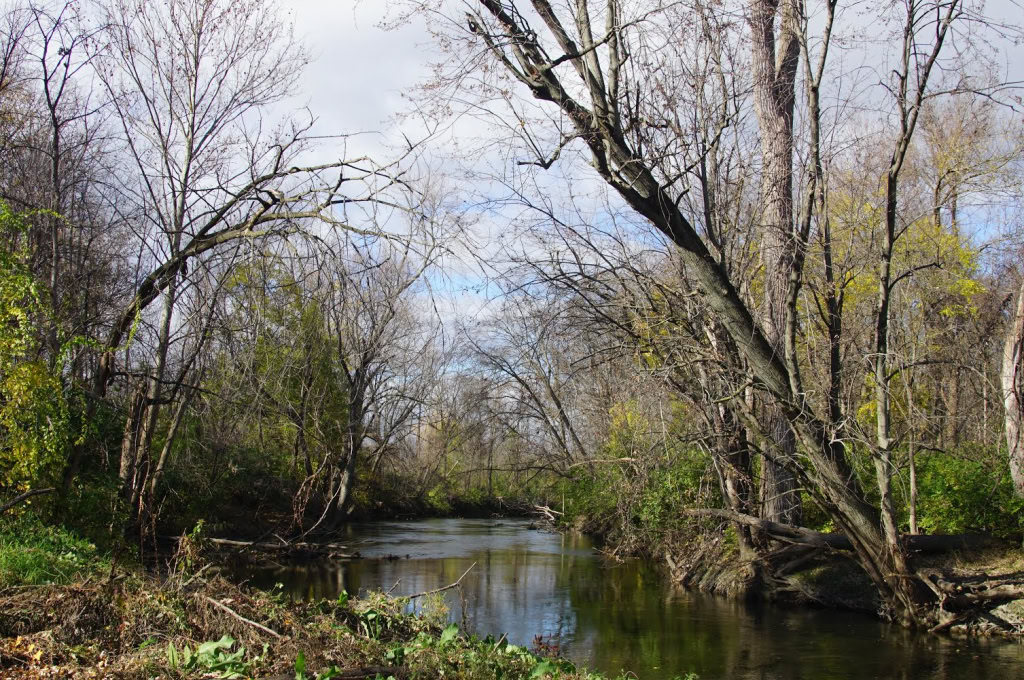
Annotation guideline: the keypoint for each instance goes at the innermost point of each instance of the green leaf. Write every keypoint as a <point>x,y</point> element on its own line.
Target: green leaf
<point>172,655</point>
<point>212,646</point>
<point>449,633</point>
<point>300,667</point>
<point>542,668</point>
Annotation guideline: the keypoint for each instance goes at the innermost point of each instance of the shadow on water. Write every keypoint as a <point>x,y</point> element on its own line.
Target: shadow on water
<point>611,617</point>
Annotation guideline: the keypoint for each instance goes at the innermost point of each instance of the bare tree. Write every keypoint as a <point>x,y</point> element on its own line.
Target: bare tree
<point>189,81</point>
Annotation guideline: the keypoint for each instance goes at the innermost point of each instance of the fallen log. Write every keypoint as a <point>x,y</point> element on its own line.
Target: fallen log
<point>547,512</point>
<point>800,536</point>
<point>335,550</point>
<point>780,532</point>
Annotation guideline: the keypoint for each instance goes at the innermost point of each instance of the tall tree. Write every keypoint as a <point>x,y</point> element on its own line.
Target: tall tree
<point>590,69</point>
<point>775,55</point>
<point>1013,391</point>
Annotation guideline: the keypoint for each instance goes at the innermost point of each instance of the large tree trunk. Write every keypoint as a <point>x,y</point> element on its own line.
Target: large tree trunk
<point>775,62</point>
<point>1013,392</point>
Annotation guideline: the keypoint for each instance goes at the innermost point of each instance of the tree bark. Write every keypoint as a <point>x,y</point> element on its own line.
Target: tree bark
<point>775,59</point>
<point>1013,392</point>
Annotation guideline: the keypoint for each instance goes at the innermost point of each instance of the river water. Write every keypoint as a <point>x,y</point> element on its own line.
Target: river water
<point>615,617</point>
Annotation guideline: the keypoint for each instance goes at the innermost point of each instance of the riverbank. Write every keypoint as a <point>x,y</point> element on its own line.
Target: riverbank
<point>813,577</point>
<point>189,625</point>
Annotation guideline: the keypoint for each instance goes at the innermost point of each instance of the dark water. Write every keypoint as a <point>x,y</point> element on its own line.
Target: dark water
<point>614,617</point>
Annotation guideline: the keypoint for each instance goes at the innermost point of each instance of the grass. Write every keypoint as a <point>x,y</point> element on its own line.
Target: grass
<point>33,553</point>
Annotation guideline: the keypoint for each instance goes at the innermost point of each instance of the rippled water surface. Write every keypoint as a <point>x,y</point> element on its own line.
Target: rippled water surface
<point>613,617</point>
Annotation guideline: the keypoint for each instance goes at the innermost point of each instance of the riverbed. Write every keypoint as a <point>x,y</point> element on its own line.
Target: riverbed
<point>613,617</point>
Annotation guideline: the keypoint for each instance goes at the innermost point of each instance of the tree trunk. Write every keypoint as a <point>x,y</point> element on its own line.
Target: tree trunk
<point>130,443</point>
<point>142,433</point>
<point>1013,392</point>
<point>774,86</point>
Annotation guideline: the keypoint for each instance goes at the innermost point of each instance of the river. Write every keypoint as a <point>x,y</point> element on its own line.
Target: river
<point>623,616</point>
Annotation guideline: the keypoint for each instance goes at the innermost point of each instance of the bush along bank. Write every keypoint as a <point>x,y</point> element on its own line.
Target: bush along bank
<point>193,625</point>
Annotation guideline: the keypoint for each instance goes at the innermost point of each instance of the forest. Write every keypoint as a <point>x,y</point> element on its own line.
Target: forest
<point>733,286</point>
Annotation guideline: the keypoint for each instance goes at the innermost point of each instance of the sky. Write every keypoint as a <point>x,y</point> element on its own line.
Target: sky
<point>361,77</point>
<point>359,72</point>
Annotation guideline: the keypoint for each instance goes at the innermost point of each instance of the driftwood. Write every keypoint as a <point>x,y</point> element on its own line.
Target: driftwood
<point>335,550</point>
<point>548,513</point>
<point>966,598</point>
<point>23,497</point>
<point>800,536</point>
<point>241,618</point>
<point>444,588</point>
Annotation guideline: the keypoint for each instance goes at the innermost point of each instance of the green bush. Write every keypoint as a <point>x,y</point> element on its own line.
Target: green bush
<point>957,494</point>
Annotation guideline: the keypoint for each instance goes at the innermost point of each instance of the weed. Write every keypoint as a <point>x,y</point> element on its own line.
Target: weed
<point>214,657</point>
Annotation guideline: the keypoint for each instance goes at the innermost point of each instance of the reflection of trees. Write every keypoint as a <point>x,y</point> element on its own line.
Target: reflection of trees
<point>623,616</point>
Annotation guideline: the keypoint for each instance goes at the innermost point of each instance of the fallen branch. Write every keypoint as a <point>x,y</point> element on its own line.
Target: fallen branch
<point>319,549</point>
<point>605,461</point>
<point>241,618</point>
<point>953,620</point>
<point>24,497</point>
<point>780,532</point>
<point>548,513</point>
<point>441,590</point>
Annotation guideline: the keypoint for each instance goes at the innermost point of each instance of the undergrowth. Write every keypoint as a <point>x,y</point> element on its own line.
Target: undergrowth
<point>193,625</point>
<point>34,553</point>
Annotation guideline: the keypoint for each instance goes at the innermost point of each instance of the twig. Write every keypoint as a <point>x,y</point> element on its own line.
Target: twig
<point>602,462</point>
<point>23,497</point>
<point>393,587</point>
<point>441,590</point>
<point>241,618</point>
<point>194,576</point>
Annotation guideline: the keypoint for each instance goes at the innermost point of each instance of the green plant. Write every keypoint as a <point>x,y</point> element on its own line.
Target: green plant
<point>967,492</point>
<point>33,553</point>
<point>214,657</point>
<point>372,623</point>
<point>35,422</point>
<point>300,667</point>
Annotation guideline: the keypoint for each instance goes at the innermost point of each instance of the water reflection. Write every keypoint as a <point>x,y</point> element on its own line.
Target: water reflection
<point>622,616</point>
